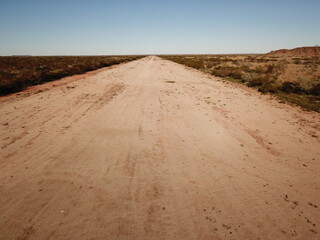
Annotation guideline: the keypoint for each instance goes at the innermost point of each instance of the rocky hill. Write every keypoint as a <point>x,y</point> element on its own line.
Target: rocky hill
<point>299,52</point>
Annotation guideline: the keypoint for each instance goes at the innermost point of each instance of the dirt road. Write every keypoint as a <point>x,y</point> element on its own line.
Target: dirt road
<point>154,150</point>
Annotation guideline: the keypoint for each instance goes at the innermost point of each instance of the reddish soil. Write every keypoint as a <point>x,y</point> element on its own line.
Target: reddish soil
<point>154,150</point>
<point>297,52</point>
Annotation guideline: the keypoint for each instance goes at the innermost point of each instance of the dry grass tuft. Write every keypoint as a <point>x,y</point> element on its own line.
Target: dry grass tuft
<point>18,72</point>
<point>297,80</point>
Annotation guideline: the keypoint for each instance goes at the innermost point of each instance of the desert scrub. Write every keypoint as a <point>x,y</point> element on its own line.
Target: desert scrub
<point>190,61</point>
<point>18,72</point>
<point>288,78</point>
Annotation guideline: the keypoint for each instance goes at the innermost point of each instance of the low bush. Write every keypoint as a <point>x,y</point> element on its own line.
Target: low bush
<point>264,73</point>
<point>18,72</point>
<point>227,71</point>
<point>315,90</point>
<point>189,61</point>
<point>292,87</point>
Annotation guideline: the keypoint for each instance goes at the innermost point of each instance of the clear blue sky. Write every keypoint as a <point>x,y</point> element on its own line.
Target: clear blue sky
<point>97,27</point>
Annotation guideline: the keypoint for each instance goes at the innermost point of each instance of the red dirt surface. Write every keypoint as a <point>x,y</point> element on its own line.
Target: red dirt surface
<point>299,52</point>
<point>154,150</point>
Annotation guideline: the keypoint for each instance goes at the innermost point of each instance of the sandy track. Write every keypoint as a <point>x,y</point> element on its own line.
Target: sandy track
<point>154,150</point>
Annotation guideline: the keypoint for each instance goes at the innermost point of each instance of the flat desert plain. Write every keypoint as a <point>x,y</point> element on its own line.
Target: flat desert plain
<point>155,150</point>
